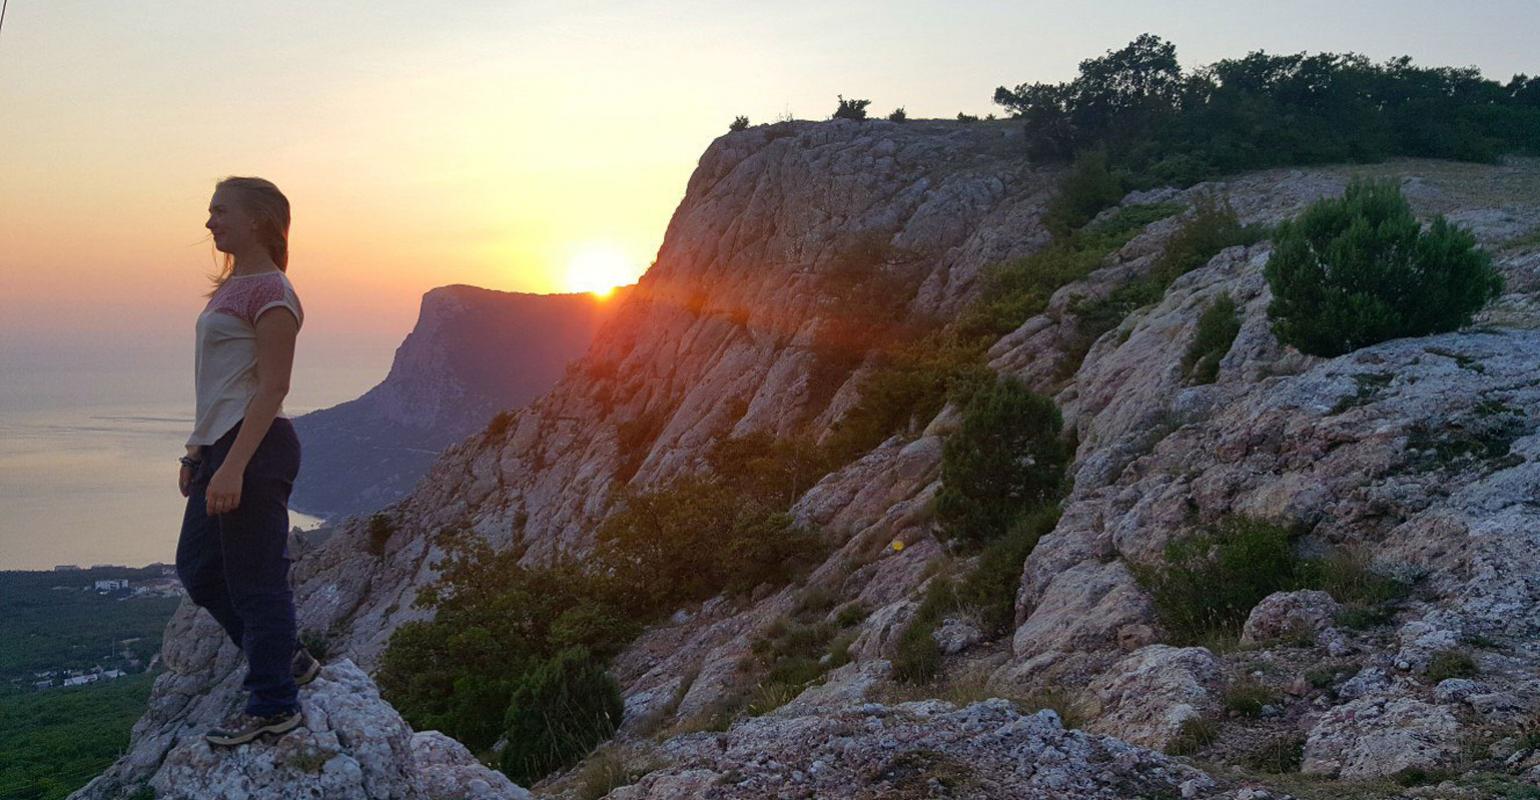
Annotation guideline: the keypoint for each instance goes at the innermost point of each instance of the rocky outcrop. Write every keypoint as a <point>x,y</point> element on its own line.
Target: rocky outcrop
<point>1145,698</point>
<point>1376,737</point>
<point>473,353</point>
<point>1304,615</point>
<point>920,749</point>
<point>1420,452</point>
<point>352,745</point>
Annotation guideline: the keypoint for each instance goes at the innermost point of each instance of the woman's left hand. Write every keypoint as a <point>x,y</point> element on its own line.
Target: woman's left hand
<point>224,492</point>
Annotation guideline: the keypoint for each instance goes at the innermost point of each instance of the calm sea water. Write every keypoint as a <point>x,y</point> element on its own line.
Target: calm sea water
<point>88,465</point>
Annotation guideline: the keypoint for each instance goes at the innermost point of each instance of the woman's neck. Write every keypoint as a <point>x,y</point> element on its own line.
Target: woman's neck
<point>253,264</point>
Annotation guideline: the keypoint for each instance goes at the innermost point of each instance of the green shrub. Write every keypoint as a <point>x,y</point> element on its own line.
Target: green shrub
<point>1345,573</point>
<point>740,123</point>
<point>594,625</point>
<point>380,531</point>
<point>558,714</point>
<point>495,621</point>
<point>1246,696</point>
<point>917,657</point>
<point>1210,581</point>
<point>695,538</point>
<point>910,385</point>
<point>1212,228</point>
<point>1278,754</point>
<point>851,614</point>
<point>851,109</point>
<point>990,589</point>
<point>1357,270</point>
<point>1017,290</point>
<point>1195,734</point>
<point>1007,456</point>
<point>898,115</point>
<point>771,471</point>
<point>961,117</point>
<point>1088,188</point>
<point>1217,328</point>
<point>1447,664</point>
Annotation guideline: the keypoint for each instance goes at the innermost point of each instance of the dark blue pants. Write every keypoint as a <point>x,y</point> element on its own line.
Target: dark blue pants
<point>236,564</point>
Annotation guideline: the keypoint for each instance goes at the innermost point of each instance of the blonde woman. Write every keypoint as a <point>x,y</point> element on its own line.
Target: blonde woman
<point>243,456</point>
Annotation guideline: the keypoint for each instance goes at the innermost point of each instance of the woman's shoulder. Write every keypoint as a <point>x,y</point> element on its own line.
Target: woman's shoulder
<point>246,297</point>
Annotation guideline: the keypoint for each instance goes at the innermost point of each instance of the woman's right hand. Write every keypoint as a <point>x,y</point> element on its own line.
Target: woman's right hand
<point>184,478</point>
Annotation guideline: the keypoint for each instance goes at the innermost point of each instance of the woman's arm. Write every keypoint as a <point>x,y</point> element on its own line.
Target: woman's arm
<point>276,333</point>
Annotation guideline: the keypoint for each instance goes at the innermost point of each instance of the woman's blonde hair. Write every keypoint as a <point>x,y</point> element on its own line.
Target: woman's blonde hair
<point>270,209</point>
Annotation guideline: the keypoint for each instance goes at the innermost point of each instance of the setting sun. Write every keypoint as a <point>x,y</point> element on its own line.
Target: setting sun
<point>599,268</point>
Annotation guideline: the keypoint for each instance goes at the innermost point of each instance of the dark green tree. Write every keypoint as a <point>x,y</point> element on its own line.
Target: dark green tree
<point>1357,270</point>
<point>740,123</point>
<point>1007,457</point>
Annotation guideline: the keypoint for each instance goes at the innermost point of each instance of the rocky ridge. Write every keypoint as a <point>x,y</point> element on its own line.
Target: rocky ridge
<point>1382,449</point>
<point>473,353</point>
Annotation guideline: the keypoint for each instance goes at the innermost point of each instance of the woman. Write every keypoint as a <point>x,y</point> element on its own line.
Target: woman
<point>243,456</point>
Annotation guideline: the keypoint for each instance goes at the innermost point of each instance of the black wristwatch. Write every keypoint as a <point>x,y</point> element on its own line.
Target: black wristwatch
<point>189,461</point>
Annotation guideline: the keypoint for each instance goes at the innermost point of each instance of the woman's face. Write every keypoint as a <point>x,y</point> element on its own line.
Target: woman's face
<point>233,228</point>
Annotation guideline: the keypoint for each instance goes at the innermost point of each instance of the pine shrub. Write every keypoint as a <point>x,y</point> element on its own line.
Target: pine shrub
<point>1008,456</point>
<point>1357,270</point>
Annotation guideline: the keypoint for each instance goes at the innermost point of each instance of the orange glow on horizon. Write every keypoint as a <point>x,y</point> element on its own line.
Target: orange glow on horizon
<point>598,269</point>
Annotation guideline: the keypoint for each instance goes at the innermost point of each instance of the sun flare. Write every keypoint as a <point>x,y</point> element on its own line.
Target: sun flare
<point>599,268</point>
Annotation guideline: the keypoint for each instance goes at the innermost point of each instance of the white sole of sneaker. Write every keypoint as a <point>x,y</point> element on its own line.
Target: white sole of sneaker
<point>309,674</point>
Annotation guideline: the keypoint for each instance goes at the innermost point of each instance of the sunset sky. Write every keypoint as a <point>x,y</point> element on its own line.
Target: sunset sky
<point>488,143</point>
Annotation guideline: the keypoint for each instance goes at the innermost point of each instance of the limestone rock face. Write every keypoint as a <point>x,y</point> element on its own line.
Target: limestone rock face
<point>1144,698</point>
<point>352,745</point>
<point>985,750</point>
<point>1378,737</point>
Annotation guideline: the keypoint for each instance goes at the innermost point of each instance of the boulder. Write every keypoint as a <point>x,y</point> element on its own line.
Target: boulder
<point>352,745</point>
<point>1145,697</point>
<point>1378,736</point>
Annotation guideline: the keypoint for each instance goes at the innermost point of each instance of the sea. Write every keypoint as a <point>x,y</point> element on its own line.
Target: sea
<point>88,469</point>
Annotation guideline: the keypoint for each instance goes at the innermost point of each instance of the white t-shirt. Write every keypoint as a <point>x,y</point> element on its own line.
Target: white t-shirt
<point>225,360</point>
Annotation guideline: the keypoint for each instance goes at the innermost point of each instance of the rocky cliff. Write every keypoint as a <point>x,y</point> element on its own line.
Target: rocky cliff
<point>473,353</point>
<point>1418,453</point>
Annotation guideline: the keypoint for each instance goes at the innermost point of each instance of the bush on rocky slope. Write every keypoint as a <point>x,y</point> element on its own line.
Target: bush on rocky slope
<point>987,593</point>
<point>498,624</point>
<point>1217,328</point>
<point>1008,455</point>
<point>1208,582</point>
<point>558,714</point>
<point>1212,227</point>
<point>1357,270</point>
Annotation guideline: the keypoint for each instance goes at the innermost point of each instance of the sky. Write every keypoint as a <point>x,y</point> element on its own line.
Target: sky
<point>492,143</point>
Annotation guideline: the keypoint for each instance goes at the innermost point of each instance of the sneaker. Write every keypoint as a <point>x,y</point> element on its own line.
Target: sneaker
<point>304,667</point>
<point>242,727</point>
